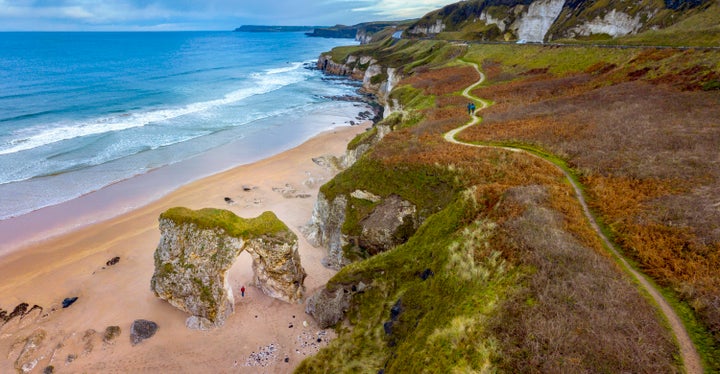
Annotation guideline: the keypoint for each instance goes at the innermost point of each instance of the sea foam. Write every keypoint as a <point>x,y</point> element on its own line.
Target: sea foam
<point>260,83</point>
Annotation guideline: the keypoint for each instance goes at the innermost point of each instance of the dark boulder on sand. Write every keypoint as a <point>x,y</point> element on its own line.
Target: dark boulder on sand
<point>142,329</point>
<point>69,301</point>
<point>113,261</point>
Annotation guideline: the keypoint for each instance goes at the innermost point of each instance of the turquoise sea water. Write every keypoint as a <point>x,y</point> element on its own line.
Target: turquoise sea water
<point>81,111</point>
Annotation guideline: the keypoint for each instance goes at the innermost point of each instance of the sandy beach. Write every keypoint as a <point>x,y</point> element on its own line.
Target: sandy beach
<point>263,335</point>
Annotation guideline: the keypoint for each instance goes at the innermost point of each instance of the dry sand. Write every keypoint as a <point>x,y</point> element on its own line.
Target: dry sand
<point>74,264</point>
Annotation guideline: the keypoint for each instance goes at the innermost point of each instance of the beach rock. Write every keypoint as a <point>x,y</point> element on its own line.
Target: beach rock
<point>20,317</point>
<point>18,311</point>
<point>28,359</point>
<point>69,301</point>
<point>113,261</point>
<point>142,329</point>
<point>88,340</point>
<point>49,369</point>
<point>391,223</point>
<point>111,332</point>
<point>198,248</point>
<point>328,307</point>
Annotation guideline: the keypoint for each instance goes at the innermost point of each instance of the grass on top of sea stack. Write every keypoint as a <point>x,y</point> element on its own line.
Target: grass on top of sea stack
<point>266,224</point>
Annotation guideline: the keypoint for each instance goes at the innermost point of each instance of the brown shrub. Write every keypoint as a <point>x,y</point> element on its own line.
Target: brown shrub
<point>650,159</point>
<point>651,54</point>
<point>576,312</point>
<point>442,81</point>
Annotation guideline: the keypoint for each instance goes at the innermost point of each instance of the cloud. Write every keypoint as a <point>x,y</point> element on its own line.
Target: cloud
<point>402,9</point>
<point>200,14</point>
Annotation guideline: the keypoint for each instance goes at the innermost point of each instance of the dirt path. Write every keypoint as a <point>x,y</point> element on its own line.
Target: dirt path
<point>690,357</point>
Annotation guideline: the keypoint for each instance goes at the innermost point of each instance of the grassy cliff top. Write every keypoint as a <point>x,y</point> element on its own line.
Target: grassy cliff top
<point>266,224</point>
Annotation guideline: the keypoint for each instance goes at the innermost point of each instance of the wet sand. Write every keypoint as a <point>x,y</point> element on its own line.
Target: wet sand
<point>74,264</point>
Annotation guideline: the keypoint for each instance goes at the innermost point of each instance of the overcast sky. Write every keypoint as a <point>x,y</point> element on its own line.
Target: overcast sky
<point>100,15</point>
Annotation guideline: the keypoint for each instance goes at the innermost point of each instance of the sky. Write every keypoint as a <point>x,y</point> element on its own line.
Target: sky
<point>166,15</point>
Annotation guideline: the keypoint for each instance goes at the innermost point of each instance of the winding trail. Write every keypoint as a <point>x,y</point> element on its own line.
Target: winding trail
<point>689,355</point>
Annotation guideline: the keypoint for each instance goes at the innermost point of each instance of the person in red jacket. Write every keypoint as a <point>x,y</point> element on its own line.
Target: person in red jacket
<point>242,291</point>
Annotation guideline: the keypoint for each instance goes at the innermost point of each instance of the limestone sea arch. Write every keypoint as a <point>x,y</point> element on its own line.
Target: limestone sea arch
<point>197,248</point>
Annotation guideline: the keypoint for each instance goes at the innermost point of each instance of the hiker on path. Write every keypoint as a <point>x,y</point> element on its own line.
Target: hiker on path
<point>242,291</point>
<point>471,108</point>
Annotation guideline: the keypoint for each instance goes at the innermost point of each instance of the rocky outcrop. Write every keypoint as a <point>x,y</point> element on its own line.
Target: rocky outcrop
<point>197,249</point>
<point>613,23</point>
<point>325,229</point>
<point>391,223</point>
<point>540,15</point>
<point>352,154</point>
<point>29,356</point>
<point>377,79</point>
<point>329,307</point>
<point>427,29</point>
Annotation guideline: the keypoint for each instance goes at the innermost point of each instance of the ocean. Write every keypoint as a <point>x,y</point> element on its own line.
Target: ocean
<point>83,111</point>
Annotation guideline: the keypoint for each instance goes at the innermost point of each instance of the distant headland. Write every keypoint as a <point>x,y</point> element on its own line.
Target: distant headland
<point>259,28</point>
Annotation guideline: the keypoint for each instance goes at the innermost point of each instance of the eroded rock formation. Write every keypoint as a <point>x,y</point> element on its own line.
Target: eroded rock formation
<point>329,307</point>
<point>324,229</point>
<point>389,224</point>
<point>197,249</point>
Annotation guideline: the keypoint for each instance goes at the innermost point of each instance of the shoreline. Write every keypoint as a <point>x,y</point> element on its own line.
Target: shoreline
<point>73,264</point>
<point>145,188</point>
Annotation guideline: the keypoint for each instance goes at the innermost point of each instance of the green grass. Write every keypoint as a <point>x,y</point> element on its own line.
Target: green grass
<point>427,187</point>
<point>412,97</point>
<point>446,312</point>
<point>559,61</point>
<point>266,225</point>
<point>362,138</point>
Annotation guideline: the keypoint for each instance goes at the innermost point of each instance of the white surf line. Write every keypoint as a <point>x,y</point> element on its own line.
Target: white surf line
<point>690,357</point>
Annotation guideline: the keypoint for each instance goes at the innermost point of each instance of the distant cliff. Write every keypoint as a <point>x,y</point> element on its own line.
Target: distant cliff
<point>260,28</point>
<point>366,32</point>
<point>546,20</point>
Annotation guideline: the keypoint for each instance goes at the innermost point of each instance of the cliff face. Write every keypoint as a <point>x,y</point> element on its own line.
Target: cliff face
<point>546,20</point>
<point>377,79</point>
<point>325,229</point>
<point>534,24</point>
<point>365,32</point>
<point>197,249</point>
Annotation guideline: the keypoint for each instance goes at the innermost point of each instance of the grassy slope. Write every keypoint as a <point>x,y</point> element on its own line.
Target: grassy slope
<point>501,297</point>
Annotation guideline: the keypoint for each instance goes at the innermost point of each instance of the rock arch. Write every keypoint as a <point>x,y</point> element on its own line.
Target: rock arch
<point>198,248</point>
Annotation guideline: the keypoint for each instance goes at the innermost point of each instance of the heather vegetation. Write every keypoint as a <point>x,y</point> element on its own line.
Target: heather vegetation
<point>640,128</point>
<point>505,273</point>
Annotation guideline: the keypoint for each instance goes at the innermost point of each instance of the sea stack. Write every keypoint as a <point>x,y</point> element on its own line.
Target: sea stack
<point>197,249</point>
